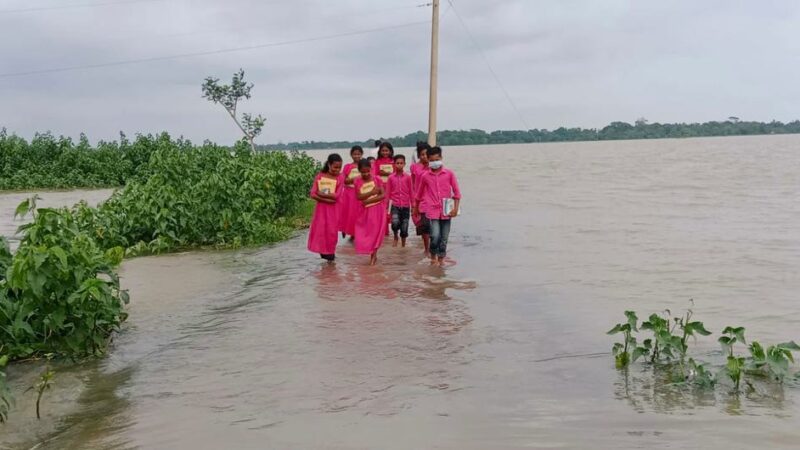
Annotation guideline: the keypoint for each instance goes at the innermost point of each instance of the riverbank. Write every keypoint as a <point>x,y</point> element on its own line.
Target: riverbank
<point>162,287</point>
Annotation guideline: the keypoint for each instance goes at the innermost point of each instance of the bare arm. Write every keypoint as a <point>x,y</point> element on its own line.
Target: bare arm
<point>323,198</point>
<point>375,199</point>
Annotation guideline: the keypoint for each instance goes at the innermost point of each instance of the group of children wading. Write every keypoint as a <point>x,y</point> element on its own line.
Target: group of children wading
<point>361,199</point>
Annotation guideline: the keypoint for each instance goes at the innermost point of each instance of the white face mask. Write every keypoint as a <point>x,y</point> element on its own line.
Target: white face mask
<point>435,165</point>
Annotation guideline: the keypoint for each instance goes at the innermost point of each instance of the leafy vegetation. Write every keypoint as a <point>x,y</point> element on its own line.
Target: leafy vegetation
<point>59,163</point>
<point>203,196</point>
<point>614,131</point>
<point>668,349</point>
<point>60,293</point>
<point>622,350</point>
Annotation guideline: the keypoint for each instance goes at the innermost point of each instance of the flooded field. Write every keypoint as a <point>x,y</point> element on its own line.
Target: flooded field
<point>504,348</point>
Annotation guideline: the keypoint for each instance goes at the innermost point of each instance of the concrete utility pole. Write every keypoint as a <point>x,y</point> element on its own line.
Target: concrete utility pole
<point>434,74</point>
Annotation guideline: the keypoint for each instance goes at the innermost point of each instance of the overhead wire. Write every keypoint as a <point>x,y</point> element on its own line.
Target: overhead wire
<point>489,65</point>
<point>209,52</point>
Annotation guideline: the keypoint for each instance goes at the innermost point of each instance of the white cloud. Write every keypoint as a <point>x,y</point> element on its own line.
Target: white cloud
<point>572,63</point>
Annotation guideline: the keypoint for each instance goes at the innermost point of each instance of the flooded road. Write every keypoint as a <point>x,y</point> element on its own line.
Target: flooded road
<point>504,348</point>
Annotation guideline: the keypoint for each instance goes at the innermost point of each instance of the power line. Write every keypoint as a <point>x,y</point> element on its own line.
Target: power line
<point>77,5</point>
<point>206,53</point>
<point>489,65</point>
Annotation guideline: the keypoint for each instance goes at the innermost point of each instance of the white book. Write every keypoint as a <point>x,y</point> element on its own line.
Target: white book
<point>447,205</point>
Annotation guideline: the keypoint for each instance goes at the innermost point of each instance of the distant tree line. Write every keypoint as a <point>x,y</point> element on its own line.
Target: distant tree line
<point>641,129</point>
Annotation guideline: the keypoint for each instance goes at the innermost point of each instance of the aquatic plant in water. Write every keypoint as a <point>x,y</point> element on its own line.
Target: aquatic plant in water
<point>623,353</point>
<point>43,383</point>
<point>668,348</point>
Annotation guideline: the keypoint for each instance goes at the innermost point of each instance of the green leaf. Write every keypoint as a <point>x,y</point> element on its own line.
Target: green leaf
<point>739,332</point>
<point>632,320</point>
<point>699,328</point>
<point>757,351</point>
<point>62,257</point>
<point>791,345</point>
<point>638,352</point>
<point>617,328</point>
<point>22,208</point>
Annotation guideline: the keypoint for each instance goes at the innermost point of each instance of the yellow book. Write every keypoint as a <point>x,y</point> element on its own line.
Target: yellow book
<point>326,185</point>
<point>386,169</point>
<point>354,173</point>
<point>367,187</point>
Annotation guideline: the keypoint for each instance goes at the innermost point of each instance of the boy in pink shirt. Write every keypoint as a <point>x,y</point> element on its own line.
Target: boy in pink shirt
<point>439,195</point>
<point>400,195</point>
<point>417,169</point>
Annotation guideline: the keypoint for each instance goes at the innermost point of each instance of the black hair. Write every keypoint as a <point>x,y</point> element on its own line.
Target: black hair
<point>370,158</point>
<point>396,157</point>
<point>422,146</point>
<point>356,148</point>
<point>378,142</point>
<point>332,158</point>
<point>435,151</point>
<point>387,145</point>
<point>364,163</point>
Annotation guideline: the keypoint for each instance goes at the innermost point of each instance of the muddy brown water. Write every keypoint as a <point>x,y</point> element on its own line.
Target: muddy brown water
<point>504,348</point>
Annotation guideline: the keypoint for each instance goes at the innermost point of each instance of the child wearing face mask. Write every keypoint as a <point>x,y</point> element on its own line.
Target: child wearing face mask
<point>438,197</point>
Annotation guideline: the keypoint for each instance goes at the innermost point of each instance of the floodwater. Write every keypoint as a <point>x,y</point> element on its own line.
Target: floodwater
<point>503,348</point>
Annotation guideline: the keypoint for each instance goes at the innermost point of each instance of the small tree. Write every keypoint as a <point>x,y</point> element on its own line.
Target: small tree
<point>229,96</point>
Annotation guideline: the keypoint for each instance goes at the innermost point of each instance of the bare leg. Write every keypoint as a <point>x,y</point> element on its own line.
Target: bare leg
<point>373,259</point>
<point>395,242</point>
<point>426,241</point>
<point>403,242</point>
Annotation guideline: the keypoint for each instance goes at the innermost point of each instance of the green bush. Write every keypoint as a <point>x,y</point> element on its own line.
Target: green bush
<point>60,293</point>
<point>58,163</point>
<point>203,196</point>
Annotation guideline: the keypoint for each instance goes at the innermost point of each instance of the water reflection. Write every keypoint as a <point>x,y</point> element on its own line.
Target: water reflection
<point>650,389</point>
<point>104,415</point>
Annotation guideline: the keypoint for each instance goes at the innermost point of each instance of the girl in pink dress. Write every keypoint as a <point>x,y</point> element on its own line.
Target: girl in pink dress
<point>348,210</point>
<point>371,223</point>
<point>326,190</point>
<point>382,168</point>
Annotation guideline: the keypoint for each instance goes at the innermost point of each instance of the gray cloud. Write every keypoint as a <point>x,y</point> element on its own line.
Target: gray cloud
<point>573,63</point>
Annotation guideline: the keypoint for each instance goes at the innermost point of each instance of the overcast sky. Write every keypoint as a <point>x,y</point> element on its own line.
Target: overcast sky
<point>563,62</point>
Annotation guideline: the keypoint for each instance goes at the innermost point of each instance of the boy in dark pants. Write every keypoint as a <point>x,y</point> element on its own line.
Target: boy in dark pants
<point>438,197</point>
<point>400,196</point>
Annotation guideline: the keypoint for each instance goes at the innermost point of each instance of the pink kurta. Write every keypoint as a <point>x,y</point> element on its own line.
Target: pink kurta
<point>371,223</point>
<point>347,204</point>
<point>417,170</point>
<point>376,167</point>
<point>376,170</point>
<point>323,234</point>
<point>400,190</point>
<point>433,187</point>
